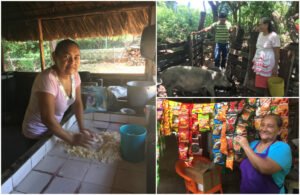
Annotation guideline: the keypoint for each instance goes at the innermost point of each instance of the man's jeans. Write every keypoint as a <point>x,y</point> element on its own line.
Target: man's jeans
<point>221,48</point>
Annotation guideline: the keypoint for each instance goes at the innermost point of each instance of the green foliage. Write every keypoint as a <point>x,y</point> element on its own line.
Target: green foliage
<point>25,56</point>
<point>175,24</point>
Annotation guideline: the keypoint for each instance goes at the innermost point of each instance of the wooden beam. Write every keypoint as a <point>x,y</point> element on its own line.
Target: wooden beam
<point>41,41</point>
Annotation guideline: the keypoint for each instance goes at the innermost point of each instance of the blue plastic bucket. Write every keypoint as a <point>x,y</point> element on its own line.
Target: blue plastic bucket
<point>133,142</point>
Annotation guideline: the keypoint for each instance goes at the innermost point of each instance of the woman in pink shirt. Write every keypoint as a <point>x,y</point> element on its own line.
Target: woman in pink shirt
<point>53,91</point>
<point>266,58</point>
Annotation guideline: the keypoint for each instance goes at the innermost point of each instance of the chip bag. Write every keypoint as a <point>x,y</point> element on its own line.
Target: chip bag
<point>216,143</point>
<point>231,120</point>
<point>217,129</point>
<point>252,102</point>
<point>257,122</point>
<point>229,160</point>
<point>207,108</point>
<point>218,158</point>
<point>233,107</point>
<point>241,129</point>
<point>203,120</point>
<point>183,151</point>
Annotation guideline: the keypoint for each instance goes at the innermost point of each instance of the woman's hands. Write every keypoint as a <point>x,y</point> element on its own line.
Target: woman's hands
<point>242,141</point>
<point>84,138</point>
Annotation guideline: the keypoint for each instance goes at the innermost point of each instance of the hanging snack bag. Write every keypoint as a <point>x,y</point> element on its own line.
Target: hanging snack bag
<point>216,142</point>
<point>247,114</point>
<point>194,124</point>
<point>218,158</point>
<point>231,120</point>
<point>276,101</point>
<point>183,151</point>
<point>229,160</point>
<point>265,104</point>
<point>203,120</point>
<point>241,106</point>
<point>217,128</point>
<point>257,122</point>
<point>207,108</point>
<point>241,129</point>
<point>252,102</point>
<point>183,136</point>
<point>236,146</point>
<point>221,111</point>
<point>197,108</point>
<point>229,139</point>
<point>223,147</point>
<point>233,107</point>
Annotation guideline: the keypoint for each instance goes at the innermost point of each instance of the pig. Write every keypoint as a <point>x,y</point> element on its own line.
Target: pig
<point>190,79</point>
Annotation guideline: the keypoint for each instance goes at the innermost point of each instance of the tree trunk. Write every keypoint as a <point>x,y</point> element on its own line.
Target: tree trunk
<point>202,20</point>
<point>214,8</point>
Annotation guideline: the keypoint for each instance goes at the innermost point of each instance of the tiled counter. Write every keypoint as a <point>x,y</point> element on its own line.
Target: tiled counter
<point>52,170</point>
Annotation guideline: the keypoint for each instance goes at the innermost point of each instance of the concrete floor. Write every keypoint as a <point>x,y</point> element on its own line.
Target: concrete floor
<point>170,182</point>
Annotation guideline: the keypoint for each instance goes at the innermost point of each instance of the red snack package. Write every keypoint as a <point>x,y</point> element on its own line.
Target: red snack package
<point>232,107</point>
<point>229,139</point>
<point>231,120</point>
<point>183,151</point>
<point>183,136</point>
<point>241,106</point>
<point>194,124</point>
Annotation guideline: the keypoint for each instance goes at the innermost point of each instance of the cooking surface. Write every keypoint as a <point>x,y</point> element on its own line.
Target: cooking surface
<point>58,172</point>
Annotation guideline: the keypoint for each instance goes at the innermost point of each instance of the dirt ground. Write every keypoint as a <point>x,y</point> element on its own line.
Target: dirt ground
<point>111,68</point>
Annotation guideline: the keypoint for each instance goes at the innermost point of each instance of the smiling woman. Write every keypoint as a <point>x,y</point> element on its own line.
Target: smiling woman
<point>53,91</point>
<point>268,160</point>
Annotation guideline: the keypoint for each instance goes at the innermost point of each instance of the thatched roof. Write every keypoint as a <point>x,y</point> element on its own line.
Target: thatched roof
<point>73,19</point>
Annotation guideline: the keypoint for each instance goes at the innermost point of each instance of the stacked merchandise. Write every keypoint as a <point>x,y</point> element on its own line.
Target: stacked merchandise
<point>225,120</point>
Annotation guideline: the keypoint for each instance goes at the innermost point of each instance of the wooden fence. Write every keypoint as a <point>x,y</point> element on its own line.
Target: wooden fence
<point>172,54</point>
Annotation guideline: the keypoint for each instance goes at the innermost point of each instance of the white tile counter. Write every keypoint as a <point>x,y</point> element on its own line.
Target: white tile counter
<point>52,170</point>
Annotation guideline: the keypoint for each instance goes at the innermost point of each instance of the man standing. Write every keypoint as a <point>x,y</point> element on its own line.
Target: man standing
<point>222,29</point>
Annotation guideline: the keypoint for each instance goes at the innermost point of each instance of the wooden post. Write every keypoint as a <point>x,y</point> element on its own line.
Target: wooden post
<point>41,41</point>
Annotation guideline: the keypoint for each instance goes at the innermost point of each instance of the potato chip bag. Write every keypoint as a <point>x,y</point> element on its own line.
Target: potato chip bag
<point>229,160</point>
<point>233,107</point>
<point>203,120</point>
<point>217,129</point>
<point>207,108</point>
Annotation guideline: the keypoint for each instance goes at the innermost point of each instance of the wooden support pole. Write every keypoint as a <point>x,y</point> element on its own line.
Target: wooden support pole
<point>41,41</point>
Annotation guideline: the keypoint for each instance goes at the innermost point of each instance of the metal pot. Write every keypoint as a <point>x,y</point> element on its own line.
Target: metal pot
<point>140,92</point>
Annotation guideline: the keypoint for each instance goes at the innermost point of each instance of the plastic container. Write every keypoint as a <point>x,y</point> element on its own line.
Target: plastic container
<point>133,142</point>
<point>276,86</point>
